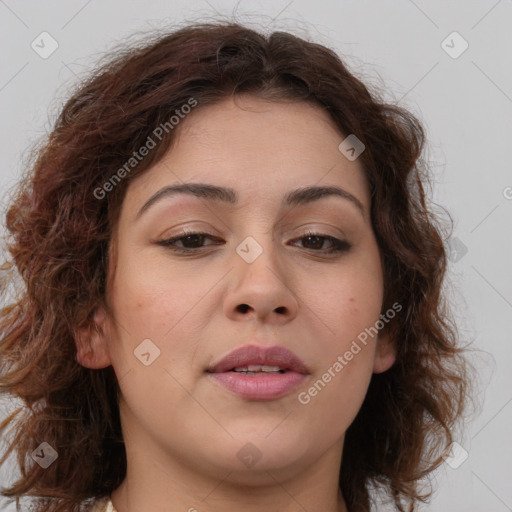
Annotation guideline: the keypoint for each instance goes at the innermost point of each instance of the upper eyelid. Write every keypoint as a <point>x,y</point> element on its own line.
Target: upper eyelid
<point>316,230</point>
<point>185,233</point>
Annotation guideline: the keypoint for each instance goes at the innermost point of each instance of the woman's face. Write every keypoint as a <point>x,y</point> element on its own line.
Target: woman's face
<point>254,278</point>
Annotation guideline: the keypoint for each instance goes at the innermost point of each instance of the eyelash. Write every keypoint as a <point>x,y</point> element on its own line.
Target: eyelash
<point>339,246</point>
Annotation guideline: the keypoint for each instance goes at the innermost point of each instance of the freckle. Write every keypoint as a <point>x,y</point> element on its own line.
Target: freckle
<point>351,299</point>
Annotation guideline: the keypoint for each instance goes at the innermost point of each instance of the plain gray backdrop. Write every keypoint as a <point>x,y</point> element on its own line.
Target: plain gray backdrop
<point>448,62</point>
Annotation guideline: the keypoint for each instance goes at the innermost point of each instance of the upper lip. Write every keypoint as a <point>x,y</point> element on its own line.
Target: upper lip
<point>259,355</point>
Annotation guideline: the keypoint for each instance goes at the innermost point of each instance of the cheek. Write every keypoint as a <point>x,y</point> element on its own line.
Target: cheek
<point>151,347</point>
<point>351,305</point>
<point>337,399</point>
<point>149,299</point>
<point>152,303</point>
<point>341,379</point>
<point>352,301</point>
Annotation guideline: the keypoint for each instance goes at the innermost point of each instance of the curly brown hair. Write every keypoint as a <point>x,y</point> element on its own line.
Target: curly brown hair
<point>60,228</point>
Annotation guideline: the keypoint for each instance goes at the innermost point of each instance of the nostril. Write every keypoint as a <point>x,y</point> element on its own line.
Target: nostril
<point>243,308</point>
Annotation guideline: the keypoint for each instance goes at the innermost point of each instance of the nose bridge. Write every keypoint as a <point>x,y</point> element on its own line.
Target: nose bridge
<point>258,259</point>
<point>261,284</point>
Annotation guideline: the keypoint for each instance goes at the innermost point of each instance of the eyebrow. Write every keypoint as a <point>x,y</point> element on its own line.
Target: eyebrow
<point>215,193</point>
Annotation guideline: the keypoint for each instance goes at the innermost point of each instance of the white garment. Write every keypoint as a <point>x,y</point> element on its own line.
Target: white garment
<point>104,505</point>
<point>110,507</point>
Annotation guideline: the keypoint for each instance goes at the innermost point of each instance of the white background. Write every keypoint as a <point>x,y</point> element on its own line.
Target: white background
<point>464,102</point>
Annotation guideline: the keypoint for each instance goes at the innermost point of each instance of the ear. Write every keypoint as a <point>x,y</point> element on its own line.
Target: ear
<point>385,353</point>
<point>91,343</point>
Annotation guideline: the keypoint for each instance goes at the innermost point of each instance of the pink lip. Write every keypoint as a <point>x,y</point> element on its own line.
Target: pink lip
<point>262,386</point>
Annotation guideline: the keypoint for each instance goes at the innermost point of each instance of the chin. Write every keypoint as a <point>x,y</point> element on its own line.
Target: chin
<point>251,457</point>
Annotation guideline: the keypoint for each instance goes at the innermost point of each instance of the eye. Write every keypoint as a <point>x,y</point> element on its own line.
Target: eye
<point>315,241</point>
<point>190,240</point>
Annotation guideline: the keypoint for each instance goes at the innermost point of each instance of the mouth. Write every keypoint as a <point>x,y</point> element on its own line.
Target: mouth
<point>259,373</point>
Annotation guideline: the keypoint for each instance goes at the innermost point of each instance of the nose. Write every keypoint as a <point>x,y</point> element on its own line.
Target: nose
<point>260,290</point>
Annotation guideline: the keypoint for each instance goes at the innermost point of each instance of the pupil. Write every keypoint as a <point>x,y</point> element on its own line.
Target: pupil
<point>317,238</point>
<point>194,239</point>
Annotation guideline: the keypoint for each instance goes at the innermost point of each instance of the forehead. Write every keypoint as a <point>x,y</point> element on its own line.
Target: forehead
<point>260,148</point>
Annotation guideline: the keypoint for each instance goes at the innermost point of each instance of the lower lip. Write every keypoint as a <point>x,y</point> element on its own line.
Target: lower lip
<point>260,387</point>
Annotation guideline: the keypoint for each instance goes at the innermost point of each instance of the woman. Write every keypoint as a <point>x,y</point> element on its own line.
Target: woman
<point>232,289</point>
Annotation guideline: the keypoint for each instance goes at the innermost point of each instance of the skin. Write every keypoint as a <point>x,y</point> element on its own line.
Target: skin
<point>182,430</point>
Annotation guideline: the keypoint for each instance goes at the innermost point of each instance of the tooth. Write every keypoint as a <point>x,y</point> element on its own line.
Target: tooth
<point>256,369</point>
<point>270,368</point>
